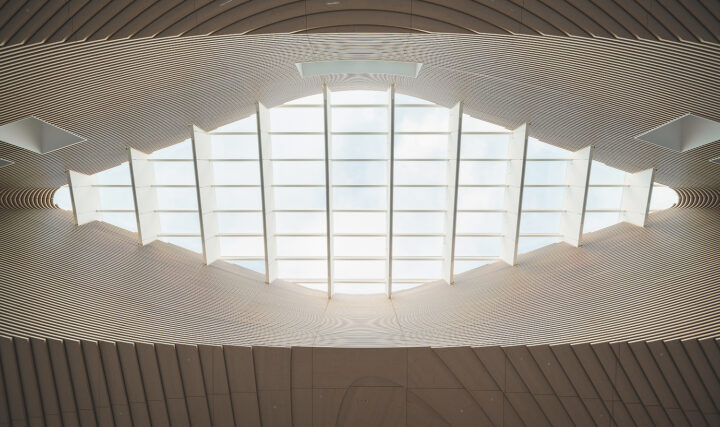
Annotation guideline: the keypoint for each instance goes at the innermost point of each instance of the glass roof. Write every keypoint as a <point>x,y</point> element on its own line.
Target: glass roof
<point>363,195</point>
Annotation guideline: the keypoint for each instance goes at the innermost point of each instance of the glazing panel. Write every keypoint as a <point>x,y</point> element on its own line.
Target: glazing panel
<point>298,173</point>
<point>360,269</point>
<point>236,173</point>
<point>240,222</point>
<point>359,173</point>
<point>543,198</point>
<point>174,173</point>
<point>422,119</point>
<point>541,222</point>
<point>461,266</point>
<point>248,124</point>
<point>234,146</point>
<point>597,220</point>
<point>360,119</point>
<point>527,244</point>
<point>297,119</point>
<point>298,147</point>
<point>237,198</point>
<point>182,150</point>
<point>116,198</point>
<point>477,246</point>
<point>417,246</point>
<point>493,146</point>
<point>125,220</point>
<point>301,246</point>
<point>417,270</point>
<point>300,198</point>
<point>359,198</point>
<point>604,198</point>
<point>254,265</point>
<point>421,147</point>
<point>482,173</point>
<point>471,124</point>
<point>299,270</point>
<point>359,97</point>
<point>300,222</point>
<point>541,150</point>
<point>360,146</point>
<point>359,246</point>
<point>420,173</point>
<point>359,288</point>
<point>190,243</point>
<point>360,222</point>
<point>479,222</point>
<point>481,198</point>
<point>119,175</point>
<point>420,198</point>
<point>418,222</point>
<point>242,246</point>
<point>176,198</point>
<point>179,222</point>
<point>602,174</point>
<point>545,173</point>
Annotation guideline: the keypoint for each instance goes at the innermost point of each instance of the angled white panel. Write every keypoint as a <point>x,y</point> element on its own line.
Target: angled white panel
<point>390,193</point>
<point>202,153</point>
<point>577,179</point>
<point>515,179</point>
<point>142,177</point>
<point>636,197</point>
<point>85,198</point>
<point>266,180</point>
<point>328,190</point>
<point>454,140</point>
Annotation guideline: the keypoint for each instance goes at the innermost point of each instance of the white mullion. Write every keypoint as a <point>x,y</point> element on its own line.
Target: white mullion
<point>266,179</point>
<point>390,192</point>
<point>636,197</point>
<point>327,113</point>
<point>202,152</point>
<point>577,180</point>
<point>142,177</point>
<point>515,180</point>
<point>453,181</point>
<point>84,196</point>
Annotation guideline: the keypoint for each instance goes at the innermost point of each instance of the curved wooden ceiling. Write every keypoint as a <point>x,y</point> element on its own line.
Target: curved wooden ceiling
<point>36,21</point>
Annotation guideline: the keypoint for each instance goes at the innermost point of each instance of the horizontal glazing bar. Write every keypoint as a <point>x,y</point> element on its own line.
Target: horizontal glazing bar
<point>419,159</point>
<point>242,258</point>
<point>359,258</point>
<point>359,186</point>
<point>359,133</point>
<point>300,258</point>
<point>174,210</point>
<point>543,210</point>
<point>419,210</point>
<point>479,234</point>
<point>418,105</point>
<point>359,210</point>
<point>115,210</point>
<point>482,185</point>
<point>420,185</point>
<point>607,185</point>
<point>418,258</point>
<point>422,133</point>
<point>296,133</point>
<point>111,186</point>
<point>300,106</point>
<point>232,133</point>
<point>369,159</point>
<point>487,133</point>
<point>239,234</point>
<point>605,210</point>
<point>299,234</point>
<point>178,234</point>
<point>359,235</point>
<point>234,186</point>
<point>359,105</point>
<point>418,234</point>
<point>169,160</point>
<point>476,258</point>
<point>540,235</point>
<point>311,159</point>
<point>173,186</point>
<point>545,185</point>
<point>482,210</point>
<point>235,160</point>
<point>235,210</point>
<point>298,185</point>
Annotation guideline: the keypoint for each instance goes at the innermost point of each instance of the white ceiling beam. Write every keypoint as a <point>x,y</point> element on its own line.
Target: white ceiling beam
<point>390,193</point>
<point>327,113</point>
<point>266,181</point>
<point>453,181</point>
<point>636,197</point>
<point>515,180</point>
<point>202,153</point>
<point>84,196</point>
<point>142,177</point>
<point>577,181</point>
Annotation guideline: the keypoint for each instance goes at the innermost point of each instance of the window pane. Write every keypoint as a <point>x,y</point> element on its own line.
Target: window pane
<point>255,265</point>
<point>663,197</point>
<point>301,246</point>
<point>418,222</point>
<point>477,246</point>
<point>527,244</point>
<point>543,198</point>
<point>484,146</point>
<point>350,270</point>
<point>422,119</point>
<point>419,198</point>
<point>416,173</point>
<point>359,246</point>
<point>190,243</point>
<point>238,198</point>
<point>116,198</point>
<point>597,220</point>
<point>236,173</point>
<point>540,150</point>
<point>176,198</point>
<point>360,119</point>
<point>298,173</point>
<point>461,266</point>
<point>242,246</point>
<point>601,173</point>
<point>360,146</point>
<point>248,124</point>
<point>471,124</point>
<point>174,173</point>
<point>359,198</point>
<point>119,175</point>
<point>407,99</point>
<point>356,97</point>
<point>300,222</point>
<point>308,100</point>
<point>359,222</point>
<point>479,222</point>
<point>299,198</point>
<point>360,288</point>
<point>481,198</point>
<point>297,119</point>
<point>421,147</point>
<point>234,146</point>
<point>298,146</point>
<point>417,246</point>
<point>240,222</point>
<point>355,173</point>
<point>182,150</point>
<point>604,197</point>
<point>125,220</point>
<point>545,173</point>
<point>541,222</point>
<point>179,222</point>
<point>482,173</point>
<point>417,270</point>
<point>298,270</point>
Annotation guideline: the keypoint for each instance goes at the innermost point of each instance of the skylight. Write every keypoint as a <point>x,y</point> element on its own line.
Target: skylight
<point>368,200</point>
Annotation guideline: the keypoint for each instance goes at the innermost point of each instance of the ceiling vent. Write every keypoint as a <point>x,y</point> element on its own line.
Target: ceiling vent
<point>37,135</point>
<point>684,133</point>
<point>323,68</point>
<point>4,162</point>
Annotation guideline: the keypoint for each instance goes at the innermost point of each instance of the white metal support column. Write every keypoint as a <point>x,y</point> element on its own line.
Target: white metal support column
<point>327,113</point>
<point>202,153</point>
<point>390,193</point>
<point>142,177</point>
<point>636,197</point>
<point>577,179</point>
<point>266,180</point>
<point>85,198</point>
<point>517,153</point>
<point>453,169</point>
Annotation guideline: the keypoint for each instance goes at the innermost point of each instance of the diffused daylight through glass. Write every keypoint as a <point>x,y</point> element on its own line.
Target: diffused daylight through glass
<point>406,199</point>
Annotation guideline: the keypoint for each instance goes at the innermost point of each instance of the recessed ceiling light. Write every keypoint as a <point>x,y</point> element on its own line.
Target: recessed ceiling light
<point>4,162</point>
<point>37,135</point>
<point>322,68</point>
<point>684,133</point>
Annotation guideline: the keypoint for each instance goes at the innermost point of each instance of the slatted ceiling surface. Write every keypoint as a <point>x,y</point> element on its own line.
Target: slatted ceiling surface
<point>31,22</point>
<point>575,91</point>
